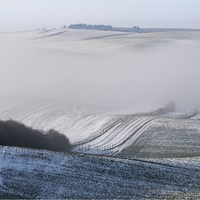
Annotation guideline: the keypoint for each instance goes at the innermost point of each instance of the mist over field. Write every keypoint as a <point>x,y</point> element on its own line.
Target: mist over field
<point>103,68</point>
<point>99,99</point>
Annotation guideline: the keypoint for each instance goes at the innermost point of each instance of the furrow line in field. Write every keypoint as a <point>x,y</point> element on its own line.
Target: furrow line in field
<point>135,133</point>
<point>101,132</point>
<point>115,136</point>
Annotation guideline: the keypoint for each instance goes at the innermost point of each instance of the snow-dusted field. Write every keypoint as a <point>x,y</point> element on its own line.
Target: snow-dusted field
<point>96,130</point>
<point>89,128</point>
<point>96,87</point>
<point>168,138</point>
<point>77,122</point>
<point>117,136</point>
<point>26,173</point>
<point>89,85</point>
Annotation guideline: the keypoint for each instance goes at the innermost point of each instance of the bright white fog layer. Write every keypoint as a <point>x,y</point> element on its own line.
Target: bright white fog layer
<point>102,67</point>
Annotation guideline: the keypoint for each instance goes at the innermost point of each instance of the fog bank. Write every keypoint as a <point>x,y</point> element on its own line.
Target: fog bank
<point>117,70</point>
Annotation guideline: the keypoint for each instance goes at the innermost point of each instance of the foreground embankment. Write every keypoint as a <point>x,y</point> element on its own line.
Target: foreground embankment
<point>28,173</point>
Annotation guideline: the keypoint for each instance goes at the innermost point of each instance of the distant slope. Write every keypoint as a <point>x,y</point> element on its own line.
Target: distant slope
<point>116,136</point>
<point>167,138</point>
<point>75,121</point>
<point>135,29</point>
<point>93,130</point>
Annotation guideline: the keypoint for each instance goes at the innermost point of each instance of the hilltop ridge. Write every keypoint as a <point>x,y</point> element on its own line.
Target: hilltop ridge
<point>134,29</point>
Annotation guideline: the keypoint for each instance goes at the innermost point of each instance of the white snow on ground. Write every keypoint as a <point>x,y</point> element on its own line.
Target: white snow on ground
<point>40,174</point>
<point>79,41</point>
<point>182,114</point>
<point>107,65</point>
<point>92,129</point>
<point>196,116</point>
<point>116,138</point>
<point>189,163</point>
<point>167,138</point>
<point>75,121</point>
<point>96,130</point>
<point>3,162</point>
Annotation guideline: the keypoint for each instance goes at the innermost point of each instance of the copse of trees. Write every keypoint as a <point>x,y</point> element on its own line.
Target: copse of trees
<point>135,29</point>
<point>13,133</point>
<point>86,26</point>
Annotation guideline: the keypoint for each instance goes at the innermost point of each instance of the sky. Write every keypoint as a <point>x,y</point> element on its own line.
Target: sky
<point>22,15</point>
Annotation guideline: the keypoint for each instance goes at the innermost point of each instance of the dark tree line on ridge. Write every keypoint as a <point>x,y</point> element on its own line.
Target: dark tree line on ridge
<point>13,133</point>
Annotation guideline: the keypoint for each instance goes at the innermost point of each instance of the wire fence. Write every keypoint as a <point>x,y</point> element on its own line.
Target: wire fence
<point>81,145</point>
<point>103,131</point>
<point>119,143</point>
